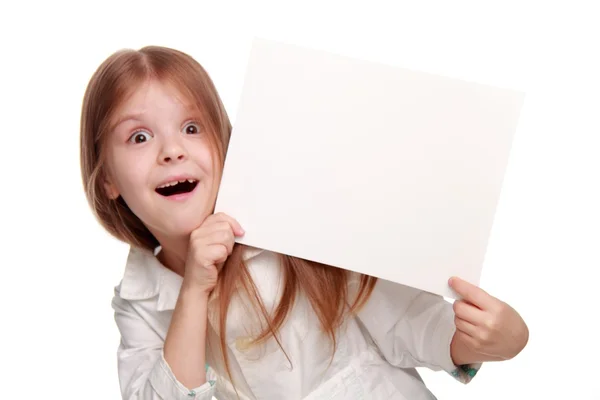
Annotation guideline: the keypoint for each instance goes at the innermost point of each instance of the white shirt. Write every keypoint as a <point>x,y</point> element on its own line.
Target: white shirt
<point>398,329</point>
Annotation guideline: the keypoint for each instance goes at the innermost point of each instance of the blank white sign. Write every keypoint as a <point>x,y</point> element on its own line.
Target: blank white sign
<point>372,168</point>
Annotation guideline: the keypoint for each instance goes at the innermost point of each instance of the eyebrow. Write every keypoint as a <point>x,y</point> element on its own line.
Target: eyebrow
<point>126,117</point>
<point>138,116</point>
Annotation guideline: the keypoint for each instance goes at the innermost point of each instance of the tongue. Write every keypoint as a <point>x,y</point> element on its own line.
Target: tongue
<point>179,188</point>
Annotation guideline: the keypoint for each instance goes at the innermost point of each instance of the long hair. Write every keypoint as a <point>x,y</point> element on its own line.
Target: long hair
<point>113,82</point>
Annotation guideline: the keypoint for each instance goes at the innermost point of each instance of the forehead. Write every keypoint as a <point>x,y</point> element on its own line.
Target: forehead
<point>155,94</point>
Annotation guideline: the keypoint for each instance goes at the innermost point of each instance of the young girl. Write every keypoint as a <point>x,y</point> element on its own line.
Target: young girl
<point>154,135</point>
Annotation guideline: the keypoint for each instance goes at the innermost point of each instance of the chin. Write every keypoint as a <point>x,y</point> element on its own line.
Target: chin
<point>185,226</point>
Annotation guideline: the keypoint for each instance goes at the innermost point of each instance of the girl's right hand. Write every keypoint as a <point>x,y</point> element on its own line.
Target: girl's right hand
<point>210,245</point>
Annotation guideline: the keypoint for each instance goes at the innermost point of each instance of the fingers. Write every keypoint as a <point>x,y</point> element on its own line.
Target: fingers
<point>223,236</point>
<point>468,340</point>
<point>465,327</point>
<point>213,242</point>
<point>477,328</point>
<point>473,294</point>
<point>217,222</point>
<point>233,223</point>
<point>218,232</point>
<point>468,312</point>
<point>218,253</point>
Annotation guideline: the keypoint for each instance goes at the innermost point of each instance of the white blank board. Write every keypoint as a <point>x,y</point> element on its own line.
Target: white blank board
<point>372,168</point>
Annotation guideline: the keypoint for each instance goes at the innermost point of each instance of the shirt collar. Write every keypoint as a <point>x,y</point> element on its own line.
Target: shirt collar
<point>146,277</point>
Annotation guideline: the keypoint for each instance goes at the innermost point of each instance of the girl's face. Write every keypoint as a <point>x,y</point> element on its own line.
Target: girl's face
<point>160,161</point>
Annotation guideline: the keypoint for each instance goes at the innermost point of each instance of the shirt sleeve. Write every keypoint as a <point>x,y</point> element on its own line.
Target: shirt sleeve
<point>413,328</point>
<point>143,372</point>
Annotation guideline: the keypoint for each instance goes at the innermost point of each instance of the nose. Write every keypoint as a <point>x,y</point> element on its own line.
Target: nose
<point>172,151</point>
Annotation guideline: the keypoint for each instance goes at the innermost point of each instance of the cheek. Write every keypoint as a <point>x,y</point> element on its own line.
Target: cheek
<point>128,174</point>
<point>134,190</point>
<point>131,182</point>
<point>205,159</point>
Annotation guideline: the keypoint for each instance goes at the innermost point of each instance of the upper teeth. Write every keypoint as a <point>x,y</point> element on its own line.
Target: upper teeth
<point>176,182</point>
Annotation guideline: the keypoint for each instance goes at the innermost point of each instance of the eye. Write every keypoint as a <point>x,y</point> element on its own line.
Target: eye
<point>139,137</point>
<point>191,128</point>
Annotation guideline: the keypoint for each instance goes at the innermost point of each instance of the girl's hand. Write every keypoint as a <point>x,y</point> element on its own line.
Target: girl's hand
<point>209,247</point>
<point>486,327</point>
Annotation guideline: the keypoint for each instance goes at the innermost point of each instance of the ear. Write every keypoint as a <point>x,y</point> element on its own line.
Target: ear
<point>111,190</point>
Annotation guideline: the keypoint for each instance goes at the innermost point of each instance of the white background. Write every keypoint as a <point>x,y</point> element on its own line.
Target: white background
<point>58,267</point>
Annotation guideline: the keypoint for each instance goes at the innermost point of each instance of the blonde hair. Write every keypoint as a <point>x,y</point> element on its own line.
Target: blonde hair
<point>112,83</point>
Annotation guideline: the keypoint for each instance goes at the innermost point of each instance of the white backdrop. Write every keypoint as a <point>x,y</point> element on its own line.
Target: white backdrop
<point>59,268</point>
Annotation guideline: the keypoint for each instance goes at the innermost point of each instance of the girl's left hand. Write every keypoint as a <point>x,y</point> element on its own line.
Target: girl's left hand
<point>487,326</point>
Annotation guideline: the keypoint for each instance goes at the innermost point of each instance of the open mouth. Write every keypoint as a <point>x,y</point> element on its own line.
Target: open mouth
<point>177,187</point>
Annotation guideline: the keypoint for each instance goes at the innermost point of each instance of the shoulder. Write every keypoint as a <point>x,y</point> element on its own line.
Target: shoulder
<point>142,275</point>
<point>263,265</point>
<point>147,283</point>
<point>388,296</point>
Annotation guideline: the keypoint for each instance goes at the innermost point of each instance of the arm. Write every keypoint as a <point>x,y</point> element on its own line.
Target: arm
<point>144,373</point>
<point>185,347</point>
<point>413,328</point>
<point>151,370</point>
<point>185,344</point>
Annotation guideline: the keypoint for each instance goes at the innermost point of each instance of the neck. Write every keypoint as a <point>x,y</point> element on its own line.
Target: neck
<point>173,254</point>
